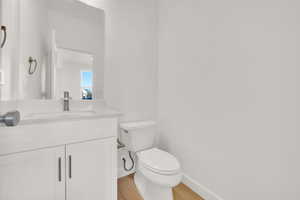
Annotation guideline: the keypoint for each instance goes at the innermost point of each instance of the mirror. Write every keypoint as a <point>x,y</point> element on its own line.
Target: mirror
<point>52,46</point>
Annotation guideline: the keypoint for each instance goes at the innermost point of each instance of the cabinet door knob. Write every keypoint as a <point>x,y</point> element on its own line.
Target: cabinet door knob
<point>70,166</point>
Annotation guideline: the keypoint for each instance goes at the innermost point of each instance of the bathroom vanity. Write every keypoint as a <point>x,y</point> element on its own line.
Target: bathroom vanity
<point>72,158</point>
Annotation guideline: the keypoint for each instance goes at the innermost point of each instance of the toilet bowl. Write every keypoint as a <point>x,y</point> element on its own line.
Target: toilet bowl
<point>157,171</point>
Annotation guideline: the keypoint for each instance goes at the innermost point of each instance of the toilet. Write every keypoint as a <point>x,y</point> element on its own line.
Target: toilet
<point>157,171</point>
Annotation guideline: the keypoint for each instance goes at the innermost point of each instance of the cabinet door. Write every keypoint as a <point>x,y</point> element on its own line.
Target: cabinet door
<point>91,170</point>
<point>35,175</point>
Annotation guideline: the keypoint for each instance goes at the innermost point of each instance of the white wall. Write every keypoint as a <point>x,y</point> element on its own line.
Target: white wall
<point>229,92</point>
<point>131,56</point>
<point>131,75</point>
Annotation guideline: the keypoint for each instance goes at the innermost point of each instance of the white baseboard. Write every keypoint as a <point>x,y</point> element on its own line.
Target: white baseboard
<point>201,190</point>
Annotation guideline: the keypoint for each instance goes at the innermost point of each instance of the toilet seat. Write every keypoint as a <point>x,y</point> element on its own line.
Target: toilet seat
<point>158,161</point>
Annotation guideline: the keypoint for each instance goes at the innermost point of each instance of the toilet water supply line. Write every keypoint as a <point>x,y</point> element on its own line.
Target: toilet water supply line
<point>132,161</point>
<point>121,145</point>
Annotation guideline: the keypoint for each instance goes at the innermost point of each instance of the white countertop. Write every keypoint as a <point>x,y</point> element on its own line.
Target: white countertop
<point>46,117</point>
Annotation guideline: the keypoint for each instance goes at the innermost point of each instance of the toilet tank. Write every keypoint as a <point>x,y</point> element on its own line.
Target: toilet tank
<point>138,136</point>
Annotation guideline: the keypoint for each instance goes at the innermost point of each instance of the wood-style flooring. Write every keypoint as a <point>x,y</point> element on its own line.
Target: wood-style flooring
<point>128,191</point>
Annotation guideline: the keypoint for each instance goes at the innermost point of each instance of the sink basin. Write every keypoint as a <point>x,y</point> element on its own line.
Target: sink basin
<point>59,115</point>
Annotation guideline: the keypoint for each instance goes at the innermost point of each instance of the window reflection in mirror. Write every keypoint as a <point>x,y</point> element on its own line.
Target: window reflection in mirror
<point>86,85</point>
<point>74,73</point>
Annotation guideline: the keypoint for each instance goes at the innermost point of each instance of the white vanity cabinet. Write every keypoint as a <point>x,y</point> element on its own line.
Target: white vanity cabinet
<point>82,171</point>
<point>73,164</point>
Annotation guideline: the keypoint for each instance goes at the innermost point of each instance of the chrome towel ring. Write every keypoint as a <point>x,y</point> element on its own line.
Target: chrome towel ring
<point>32,65</point>
<point>3,28</point>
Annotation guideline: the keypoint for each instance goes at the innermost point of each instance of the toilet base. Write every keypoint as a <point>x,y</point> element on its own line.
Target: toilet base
<point>150,191</point>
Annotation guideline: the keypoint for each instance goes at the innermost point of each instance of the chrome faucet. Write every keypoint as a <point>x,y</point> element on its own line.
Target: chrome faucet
<point>66,101</point>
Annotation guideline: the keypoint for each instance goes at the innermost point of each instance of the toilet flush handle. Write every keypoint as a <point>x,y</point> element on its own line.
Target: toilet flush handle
<point>125,130</point>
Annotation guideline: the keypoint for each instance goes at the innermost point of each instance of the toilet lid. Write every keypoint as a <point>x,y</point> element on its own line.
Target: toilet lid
<point>159,161</point>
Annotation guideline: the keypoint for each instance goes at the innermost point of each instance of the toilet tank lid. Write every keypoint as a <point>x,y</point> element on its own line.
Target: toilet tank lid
<point>137,125</point>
